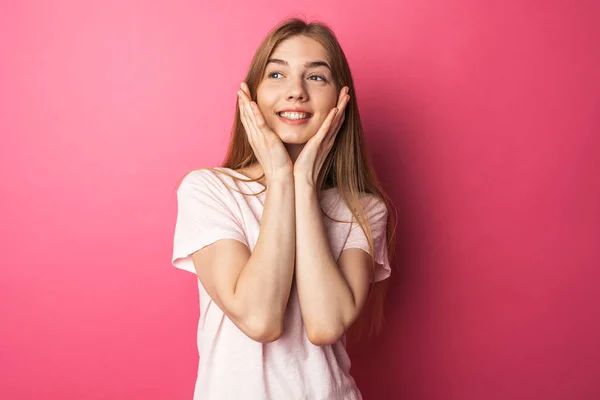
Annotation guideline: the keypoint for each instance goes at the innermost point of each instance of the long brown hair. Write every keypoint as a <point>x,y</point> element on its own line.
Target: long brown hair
<point>348,165</point>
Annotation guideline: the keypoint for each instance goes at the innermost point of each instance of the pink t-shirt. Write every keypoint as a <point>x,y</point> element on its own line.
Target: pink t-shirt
<point>233,366</point>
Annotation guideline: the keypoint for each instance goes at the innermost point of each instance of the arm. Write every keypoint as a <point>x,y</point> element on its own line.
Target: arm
<point>331,296</point>
<point>253,289</point>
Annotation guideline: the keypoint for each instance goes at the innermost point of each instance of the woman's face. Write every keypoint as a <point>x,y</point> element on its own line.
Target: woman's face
<point>297,77</point>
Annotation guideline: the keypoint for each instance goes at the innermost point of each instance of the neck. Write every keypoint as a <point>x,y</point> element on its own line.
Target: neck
<point>294,150</point>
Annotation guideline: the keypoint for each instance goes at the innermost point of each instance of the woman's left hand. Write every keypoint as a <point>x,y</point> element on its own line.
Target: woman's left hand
<point>315,151</point>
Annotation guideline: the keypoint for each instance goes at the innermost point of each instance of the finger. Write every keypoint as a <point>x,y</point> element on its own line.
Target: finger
<point>258,132</point>
<point>258,117</point>
<point>248,104</point>
<point>245,123</point>
<point>245,96</point>
<point>246,89</point>
<point>259,128</point>
<point>322,132</point>
<point>337,127</point>
<point>260,120</point>
<point>343,103</point>
<point>343,93</point>
<point>339,120</point>
<point>249,112</point>
<point>245,99</point>
<point>341,114</point>
<point>253,110</point>
<point>242,105</point>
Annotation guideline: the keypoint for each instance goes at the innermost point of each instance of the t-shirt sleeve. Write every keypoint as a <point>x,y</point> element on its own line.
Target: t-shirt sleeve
<point>203,217</point>
<point>377,213</point>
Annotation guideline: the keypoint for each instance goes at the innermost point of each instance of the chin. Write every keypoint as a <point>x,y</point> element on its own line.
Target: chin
<point>288,137</point>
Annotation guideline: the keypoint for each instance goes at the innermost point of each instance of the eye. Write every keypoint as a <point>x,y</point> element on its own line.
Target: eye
<point>273,73</point>
<point>320,77</point>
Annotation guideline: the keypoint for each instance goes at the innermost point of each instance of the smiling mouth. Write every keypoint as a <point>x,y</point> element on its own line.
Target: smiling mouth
<point>294,116</point>
<point>294,119</point>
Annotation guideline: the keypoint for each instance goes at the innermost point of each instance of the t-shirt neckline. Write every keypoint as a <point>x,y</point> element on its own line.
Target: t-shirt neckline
<point>245,179</point>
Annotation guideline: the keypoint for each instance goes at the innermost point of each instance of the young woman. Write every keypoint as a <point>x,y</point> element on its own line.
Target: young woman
<point>290,235</point>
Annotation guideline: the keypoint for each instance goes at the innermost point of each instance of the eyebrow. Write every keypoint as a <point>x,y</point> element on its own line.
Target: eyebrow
<point>309,64</point>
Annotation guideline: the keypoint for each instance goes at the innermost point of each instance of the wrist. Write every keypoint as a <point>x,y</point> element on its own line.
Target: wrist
<point>302,184</point>
<point>302,178</point>
<point>281,179</point>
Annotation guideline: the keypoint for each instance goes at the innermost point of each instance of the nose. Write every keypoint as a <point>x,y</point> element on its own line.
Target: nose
<point>296,90</point>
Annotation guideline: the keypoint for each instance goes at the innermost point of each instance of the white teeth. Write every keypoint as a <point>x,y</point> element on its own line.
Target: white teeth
<point>293,115</point>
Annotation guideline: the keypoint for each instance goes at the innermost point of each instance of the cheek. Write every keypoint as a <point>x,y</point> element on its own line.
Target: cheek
<point>329,100</point>
<point>326,107</point>
<point>265,102</point>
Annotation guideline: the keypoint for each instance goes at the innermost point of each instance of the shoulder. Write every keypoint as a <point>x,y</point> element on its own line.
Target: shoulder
<point>206,176</point>
<point>198,177</point>
<point>373,203</point>
<point>373,208</point>
<point>201,182</point>
<point>368,204</point>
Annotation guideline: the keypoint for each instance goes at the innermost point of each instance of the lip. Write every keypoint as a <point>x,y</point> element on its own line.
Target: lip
<point>295,121</point>
<point>296,109</point>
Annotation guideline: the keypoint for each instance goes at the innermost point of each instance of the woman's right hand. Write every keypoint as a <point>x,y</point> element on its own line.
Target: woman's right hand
<point>268,147</point>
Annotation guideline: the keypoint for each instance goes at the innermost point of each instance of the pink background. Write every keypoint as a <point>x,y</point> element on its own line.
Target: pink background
<point>484,123</point>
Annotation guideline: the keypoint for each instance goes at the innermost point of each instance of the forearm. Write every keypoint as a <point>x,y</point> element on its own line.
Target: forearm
<point>263,287</point>
<point>325,297</point>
